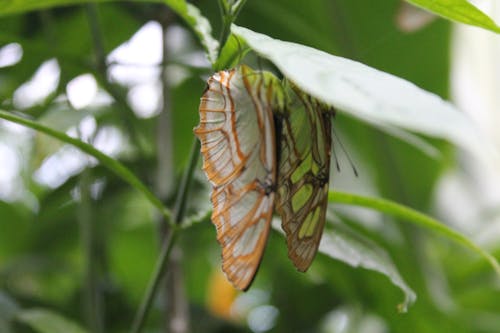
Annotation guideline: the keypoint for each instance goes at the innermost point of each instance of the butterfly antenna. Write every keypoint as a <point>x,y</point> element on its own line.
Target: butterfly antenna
<point>337,165</point>
<point>354,170</point>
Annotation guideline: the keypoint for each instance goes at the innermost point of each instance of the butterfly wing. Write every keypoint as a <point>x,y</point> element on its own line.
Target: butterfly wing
<point>303,174</point>
<point>237,137</point>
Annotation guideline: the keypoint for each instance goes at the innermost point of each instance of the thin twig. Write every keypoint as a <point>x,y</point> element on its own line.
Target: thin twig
<point>100,54</point>
<point>180,205</point>
<point>237,8</point>
<point>164,135</point>
<point>92,298</point>
<point>159,272</point>
<point>161,265</point>
<point>176,316</point>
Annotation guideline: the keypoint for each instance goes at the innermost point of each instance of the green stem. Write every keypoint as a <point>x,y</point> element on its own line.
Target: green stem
<point>96,34</point>
<point>229,14</point>
<point>180,207</point>
<point>118,168</point>
<point>161,265</point>
<point>91,238</point>
<point>237,8</point>
<point>411,215</point>
<point>176,312</point>
<point>165,173</point>
<point>225,8</point>
<point>93,304</point>
<point>226,31</point>
<point>159,272</point>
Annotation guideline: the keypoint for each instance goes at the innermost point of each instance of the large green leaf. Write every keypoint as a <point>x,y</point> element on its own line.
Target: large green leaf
<point>458,10</point>
<point>368,94</point>
<point>357,251</point>
<point>44,321</point>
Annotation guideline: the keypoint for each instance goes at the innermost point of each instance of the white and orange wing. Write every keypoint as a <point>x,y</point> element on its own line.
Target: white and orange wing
<point>236,131</point>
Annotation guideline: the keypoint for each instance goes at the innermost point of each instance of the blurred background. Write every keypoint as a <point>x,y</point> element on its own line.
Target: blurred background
<point>127,78</point>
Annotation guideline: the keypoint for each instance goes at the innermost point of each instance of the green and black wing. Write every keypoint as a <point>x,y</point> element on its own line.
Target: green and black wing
<point>304,147</point>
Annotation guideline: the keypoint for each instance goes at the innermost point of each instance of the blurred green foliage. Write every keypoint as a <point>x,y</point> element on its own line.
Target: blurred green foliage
<point>44,245</point>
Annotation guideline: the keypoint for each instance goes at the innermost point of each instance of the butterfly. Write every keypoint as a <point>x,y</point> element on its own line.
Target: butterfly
<point>265,145</point>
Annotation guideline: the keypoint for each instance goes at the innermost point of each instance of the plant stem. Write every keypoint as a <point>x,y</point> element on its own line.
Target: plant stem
<point>180,205</point>
<point>237,8</point>
<point>92,300</point>
<point>226,31</point>
<point>176,316</point>
<point>164,183</point>
<point>90,238</point>
<point>225,8</point>
<point>161,265</point>
<point>100,54</point>
<point>229,14</point>
<point>159,272</point>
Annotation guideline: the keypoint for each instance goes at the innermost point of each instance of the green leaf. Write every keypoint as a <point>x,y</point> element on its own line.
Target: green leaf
<point>203,30</point>
<point>358,251</point>
<point>45,321</point>
<point>200,25</point>
<point>188,12</point>
<point>118,168</point>
<point>368,94</point>
<point>458,10</point>
<point>231,54</point>
<point>415,217</point>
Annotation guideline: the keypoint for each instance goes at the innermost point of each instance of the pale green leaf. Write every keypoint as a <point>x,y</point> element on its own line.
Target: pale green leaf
<point>358,251</point>
<point>203,29</point>
<point>45,321</point>
<point>368,94</point>
<point>458,10</point>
